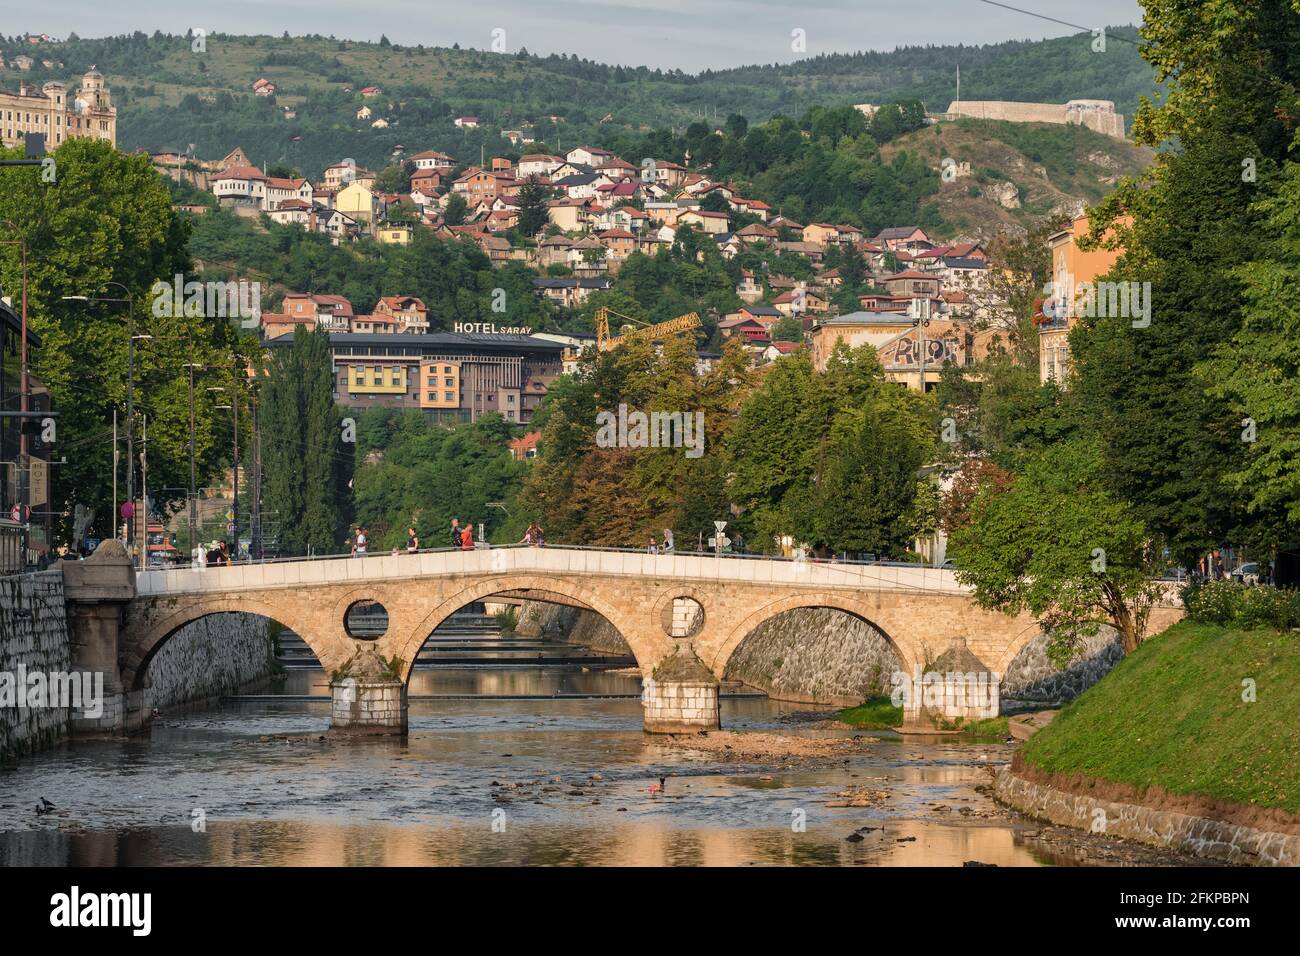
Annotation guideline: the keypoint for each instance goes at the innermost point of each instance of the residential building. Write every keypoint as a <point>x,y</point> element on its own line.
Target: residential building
<point>333,313</point>
<point>1071,267</point>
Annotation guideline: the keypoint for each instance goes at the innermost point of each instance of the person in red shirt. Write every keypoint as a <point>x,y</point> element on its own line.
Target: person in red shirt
<point>467,537</point>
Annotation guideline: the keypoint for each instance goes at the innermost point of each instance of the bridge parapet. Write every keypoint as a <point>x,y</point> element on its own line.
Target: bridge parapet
<point>550,560</point>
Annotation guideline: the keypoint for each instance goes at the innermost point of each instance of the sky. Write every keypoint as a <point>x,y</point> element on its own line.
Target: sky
<point>690,35</point>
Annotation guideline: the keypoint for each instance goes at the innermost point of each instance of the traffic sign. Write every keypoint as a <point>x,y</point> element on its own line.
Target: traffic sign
<point>719,525</point>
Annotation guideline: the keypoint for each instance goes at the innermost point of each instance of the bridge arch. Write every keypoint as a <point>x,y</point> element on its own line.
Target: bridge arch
<point>717,659</point>
<point>647,647</point>
<point>141,646</point>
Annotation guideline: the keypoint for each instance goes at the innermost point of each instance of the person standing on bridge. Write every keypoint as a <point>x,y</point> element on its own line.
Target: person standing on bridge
<point>668,541</point>
<point>455,532</point>
<point>412,541</point>
<point>467,537</point>
<point>363,541</point>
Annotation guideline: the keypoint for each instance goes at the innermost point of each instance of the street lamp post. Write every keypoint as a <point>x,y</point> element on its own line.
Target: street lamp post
<point>233,407</point>
<point>24,462</point>
<point>193,495</point>
<point>130,396</point>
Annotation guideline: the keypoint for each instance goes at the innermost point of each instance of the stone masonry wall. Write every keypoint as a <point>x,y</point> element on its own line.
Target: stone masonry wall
<point>33,636</point>
<point>215,655</point>
<point>1033,680</point>
<point>570,625</point>
<point>815,656</point>
<point>1214,839</point>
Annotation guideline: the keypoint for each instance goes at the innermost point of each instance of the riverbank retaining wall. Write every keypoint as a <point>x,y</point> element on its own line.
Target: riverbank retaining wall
<point>33,640</point>
<point>217,655</point>
<point>1212,839</point>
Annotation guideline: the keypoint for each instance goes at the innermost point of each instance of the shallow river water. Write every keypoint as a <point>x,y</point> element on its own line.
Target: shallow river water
<point>504,781</point>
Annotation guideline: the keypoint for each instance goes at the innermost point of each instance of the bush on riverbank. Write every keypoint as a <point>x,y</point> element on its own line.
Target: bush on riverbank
<point>874,713</point>
<point>1202,709</point>
<point>1242,606</point>
<point>507,619</point>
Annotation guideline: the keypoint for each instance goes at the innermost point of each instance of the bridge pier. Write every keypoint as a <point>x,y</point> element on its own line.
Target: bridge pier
<point>368,699</point>
<point>681,695</point>
<point>97,591</point>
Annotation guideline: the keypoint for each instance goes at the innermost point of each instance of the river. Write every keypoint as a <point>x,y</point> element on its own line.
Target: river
<point>498,769</point>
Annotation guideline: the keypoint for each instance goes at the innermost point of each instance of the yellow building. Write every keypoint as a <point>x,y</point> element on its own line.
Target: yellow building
<point>1071,267</point>
<point>357,201</point>
<point>395,235</point>
<point>90,114</point>
<point>376,379</point>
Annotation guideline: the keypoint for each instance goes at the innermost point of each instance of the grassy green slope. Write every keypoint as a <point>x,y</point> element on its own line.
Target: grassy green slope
<point>1172,715</point>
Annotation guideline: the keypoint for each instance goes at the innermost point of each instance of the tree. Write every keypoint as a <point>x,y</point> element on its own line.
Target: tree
<point>1230,107</point>
<point>787,329</point>
<point>456,211</point>
<point>308,462</point>
<point>830,458</point>
<point>108,219</point>
<point>534,214</point>
<point>1057,544</point>
<point>1258,370</point>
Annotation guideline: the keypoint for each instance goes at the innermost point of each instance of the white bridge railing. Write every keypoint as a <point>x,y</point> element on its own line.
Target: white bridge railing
<point>742,569</point>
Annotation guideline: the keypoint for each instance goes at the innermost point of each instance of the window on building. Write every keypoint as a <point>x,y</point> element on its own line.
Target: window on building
<point>448,396</point>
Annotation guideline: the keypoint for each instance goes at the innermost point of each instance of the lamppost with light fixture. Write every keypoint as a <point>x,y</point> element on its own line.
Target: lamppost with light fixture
<point>234,511</point>
<point>130,396</point>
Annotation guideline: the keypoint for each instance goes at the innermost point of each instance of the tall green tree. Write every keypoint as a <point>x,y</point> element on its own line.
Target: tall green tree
<point>307,447</point>
<point>1229,119</point>
<point>534,214</point>
<point>106,218</point>
<point>1057,544</point>
<point>830,458</point>
<point>1258,371</point>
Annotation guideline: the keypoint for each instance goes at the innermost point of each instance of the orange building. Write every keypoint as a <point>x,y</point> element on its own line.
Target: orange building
<point>1071,267</point>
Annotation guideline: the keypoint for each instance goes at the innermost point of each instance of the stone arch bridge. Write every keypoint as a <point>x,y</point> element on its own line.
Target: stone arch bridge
<point>683,615</point>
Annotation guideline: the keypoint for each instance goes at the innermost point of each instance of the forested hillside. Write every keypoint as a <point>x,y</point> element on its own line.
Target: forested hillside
<point>169,94</point>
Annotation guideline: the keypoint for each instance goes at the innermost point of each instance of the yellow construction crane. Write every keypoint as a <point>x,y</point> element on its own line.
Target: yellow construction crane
<point>605,341</point>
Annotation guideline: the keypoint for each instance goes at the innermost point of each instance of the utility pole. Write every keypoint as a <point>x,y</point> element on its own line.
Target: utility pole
<point>194,493</point>
<point>24,460</point>
<point>144,494</point>
<point>255,546</point>
<point>112,508</point>
<point>234,552</point>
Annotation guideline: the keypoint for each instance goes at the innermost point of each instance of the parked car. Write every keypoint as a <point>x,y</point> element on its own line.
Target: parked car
<point>1247,574</point>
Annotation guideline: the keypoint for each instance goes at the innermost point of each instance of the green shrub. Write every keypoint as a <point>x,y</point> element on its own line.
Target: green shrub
<point>1242,605</point>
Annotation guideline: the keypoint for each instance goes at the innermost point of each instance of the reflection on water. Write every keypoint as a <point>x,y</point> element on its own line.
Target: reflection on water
<point>482,781</point>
